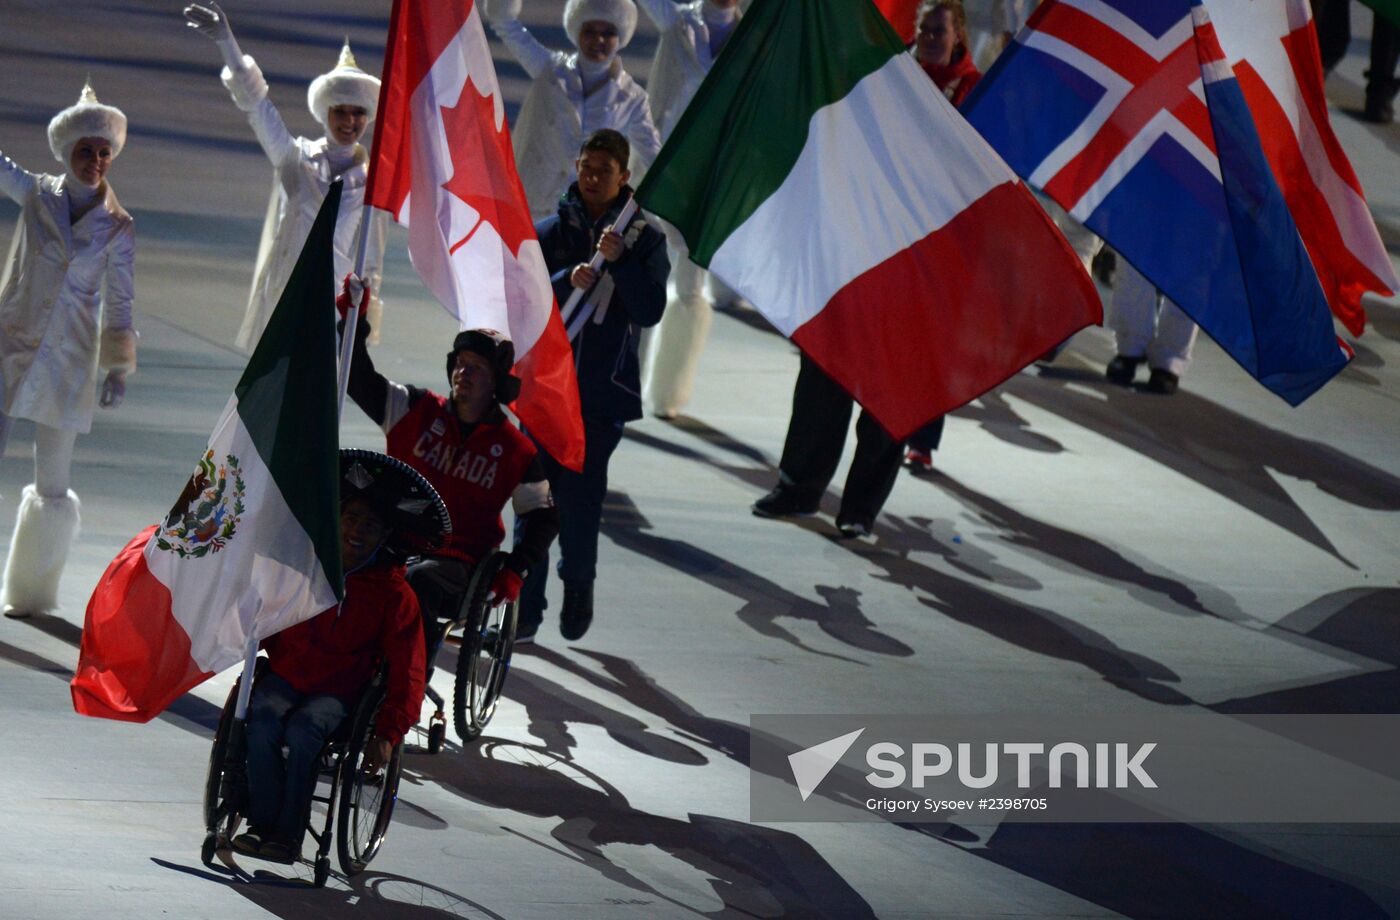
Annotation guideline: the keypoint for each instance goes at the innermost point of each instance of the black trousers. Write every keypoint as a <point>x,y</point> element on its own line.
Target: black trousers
<point>1333,22</point>
<point>821,415</point>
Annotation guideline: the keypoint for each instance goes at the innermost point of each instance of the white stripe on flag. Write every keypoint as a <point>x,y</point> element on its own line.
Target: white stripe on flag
<point>882,169</point>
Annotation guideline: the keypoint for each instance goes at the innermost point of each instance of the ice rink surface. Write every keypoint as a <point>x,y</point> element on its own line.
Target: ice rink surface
<point>1082,547</point>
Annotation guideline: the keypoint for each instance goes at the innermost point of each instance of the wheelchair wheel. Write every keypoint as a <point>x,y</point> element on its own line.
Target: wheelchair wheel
<point>437,734</point>
<point>224,786</point>
<point>366,801</point>
<point>488,636</point>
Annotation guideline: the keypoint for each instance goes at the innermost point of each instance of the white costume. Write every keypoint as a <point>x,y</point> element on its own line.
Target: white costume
<point>1147,324</point>
<point>570,98</point>
<point>304,172</point>
<point>692,35</point>
<point>65,312</point>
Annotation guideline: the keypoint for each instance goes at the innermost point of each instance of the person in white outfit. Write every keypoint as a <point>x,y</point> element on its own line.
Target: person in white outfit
<point>65,313</point>
<point>692,35</point>
<point>343,100</point>
<point>1148,327</point>
<point>573,94</point>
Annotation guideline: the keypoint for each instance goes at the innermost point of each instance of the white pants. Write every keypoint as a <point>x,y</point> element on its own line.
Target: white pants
<point>53,456</point>
<point>677,341</point>
<point>1147,324</point>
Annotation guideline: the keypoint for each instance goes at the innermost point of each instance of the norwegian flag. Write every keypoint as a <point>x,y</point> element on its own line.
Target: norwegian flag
<point>1272,48</point>
<point>444,167</point>
<point>1127,113</point>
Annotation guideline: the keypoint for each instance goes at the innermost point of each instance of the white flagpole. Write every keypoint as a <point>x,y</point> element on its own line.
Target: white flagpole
<point>624,217</point>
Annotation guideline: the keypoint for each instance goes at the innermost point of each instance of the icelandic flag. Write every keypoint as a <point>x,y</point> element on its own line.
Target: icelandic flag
<point>1127,113</point>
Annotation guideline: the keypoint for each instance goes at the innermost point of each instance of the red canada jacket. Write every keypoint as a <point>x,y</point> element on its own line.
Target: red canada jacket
<point>337,651</point>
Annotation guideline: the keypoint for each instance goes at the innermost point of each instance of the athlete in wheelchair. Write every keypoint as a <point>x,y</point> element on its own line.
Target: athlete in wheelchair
<point>467,448</point>
<point>337,692</point>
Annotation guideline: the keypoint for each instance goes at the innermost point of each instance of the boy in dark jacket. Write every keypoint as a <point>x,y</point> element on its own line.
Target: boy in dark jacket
<point>628,293</point>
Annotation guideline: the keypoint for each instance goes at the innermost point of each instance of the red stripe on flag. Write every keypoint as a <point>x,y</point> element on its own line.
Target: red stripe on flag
<point>419,31</point>
<point>954,315</point>
<point>1344,277</point>
<point>548,400</point>
<point>135,658</point>
<point>900,14</point>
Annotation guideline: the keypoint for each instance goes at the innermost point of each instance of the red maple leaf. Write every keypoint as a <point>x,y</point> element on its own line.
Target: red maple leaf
<point>483,168</point>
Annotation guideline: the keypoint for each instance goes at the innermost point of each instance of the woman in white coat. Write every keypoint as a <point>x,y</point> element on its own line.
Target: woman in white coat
<point>692,35</point>
<point>343,101</point>
<point>65,312</point>
<point>573,94</point>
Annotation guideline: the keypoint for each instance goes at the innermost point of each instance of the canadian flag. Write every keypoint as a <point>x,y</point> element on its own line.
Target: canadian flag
<point>1272,48</point>
<point>444,167</point>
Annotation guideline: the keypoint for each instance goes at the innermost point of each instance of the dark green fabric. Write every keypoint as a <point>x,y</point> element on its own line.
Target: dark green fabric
<point>287,395</point>
<point>747,125</point>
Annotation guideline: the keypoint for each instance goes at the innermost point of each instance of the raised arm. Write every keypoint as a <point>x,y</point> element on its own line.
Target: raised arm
<point>15,180</point>
<point>244,80</point>
<point>664,14</point>
<point>504,17</point>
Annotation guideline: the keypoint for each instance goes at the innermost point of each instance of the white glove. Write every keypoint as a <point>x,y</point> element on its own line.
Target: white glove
<point>113,390</point>
<point>498,11</point>
<point>211,21</point>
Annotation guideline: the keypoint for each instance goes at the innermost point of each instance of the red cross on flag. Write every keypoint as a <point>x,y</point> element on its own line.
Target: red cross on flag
<point>444,167</point>
<point>1150,85</point>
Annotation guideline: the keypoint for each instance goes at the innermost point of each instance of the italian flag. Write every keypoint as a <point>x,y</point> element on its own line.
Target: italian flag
<point>819,172</point>
<point>252,544</point>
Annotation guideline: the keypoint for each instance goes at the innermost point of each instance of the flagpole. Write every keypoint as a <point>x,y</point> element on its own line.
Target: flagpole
<point>352,316</point>
<point>624,217</point>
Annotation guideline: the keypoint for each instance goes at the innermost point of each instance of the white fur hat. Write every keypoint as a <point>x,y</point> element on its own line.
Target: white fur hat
<point>86,118</point>
<point>621,13</point>
<point>347,84</point>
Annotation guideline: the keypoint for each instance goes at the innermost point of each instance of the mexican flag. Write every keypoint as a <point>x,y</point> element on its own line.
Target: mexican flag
<point>820,173</point>
<point>252,543</point>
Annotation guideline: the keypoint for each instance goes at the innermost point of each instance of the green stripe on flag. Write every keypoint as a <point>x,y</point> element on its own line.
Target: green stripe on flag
<point>287,395</point>
<point>1390,9</point>
<point>748,123</point>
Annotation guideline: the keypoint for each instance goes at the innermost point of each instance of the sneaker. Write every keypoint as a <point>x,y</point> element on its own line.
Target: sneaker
<point>1163,382</point>
<point>525,633</point>
<point>278,851</point>
<point>784,501</point>
<point>1121,370</point>
<point>249,843</point>
<point>577,612</point>
<point>853,530</point>
<point>919,461</point>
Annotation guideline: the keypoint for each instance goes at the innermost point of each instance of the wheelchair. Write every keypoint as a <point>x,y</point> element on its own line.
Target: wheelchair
<point>487,636</point>
<point>359,804</point>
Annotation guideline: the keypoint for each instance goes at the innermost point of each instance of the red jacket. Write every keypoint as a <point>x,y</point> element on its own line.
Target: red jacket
<point>338,650</point>
<point>956,80</point>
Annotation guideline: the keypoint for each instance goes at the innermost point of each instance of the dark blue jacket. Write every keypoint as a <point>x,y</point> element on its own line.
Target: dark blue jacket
<point>605,354</point>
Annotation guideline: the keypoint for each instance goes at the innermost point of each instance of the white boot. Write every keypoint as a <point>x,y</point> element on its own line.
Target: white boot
<point>44,532</point>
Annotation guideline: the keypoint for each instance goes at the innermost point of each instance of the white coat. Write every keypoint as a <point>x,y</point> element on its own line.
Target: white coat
<point>303,176</point>
<point>556,116</point>
<point>63,281</point>
<point>682,59</point>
